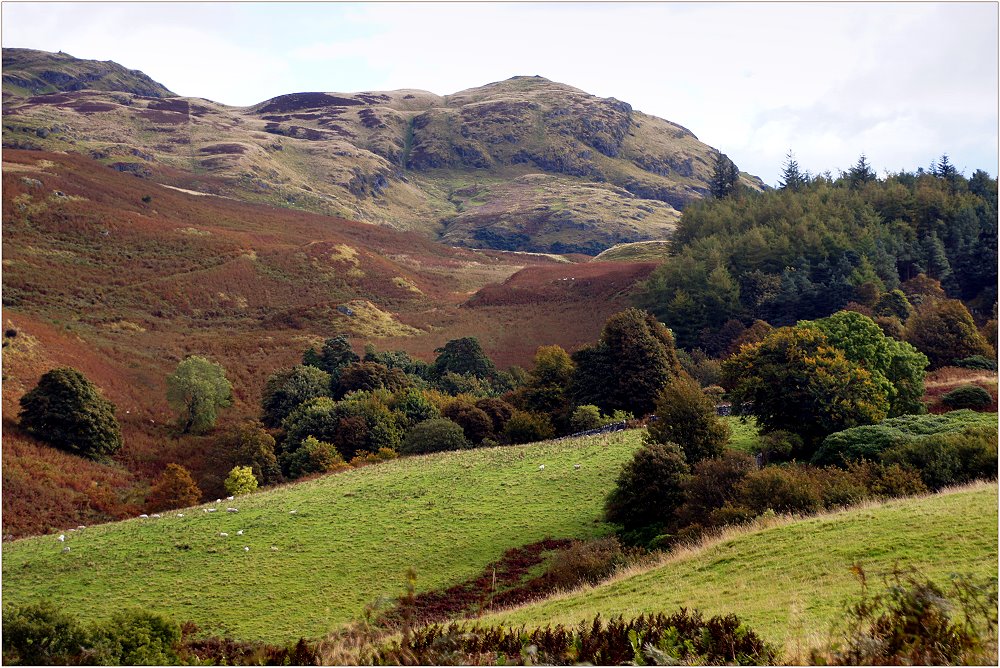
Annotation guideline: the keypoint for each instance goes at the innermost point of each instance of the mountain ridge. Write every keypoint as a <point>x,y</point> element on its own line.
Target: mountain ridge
<point>463,168</point>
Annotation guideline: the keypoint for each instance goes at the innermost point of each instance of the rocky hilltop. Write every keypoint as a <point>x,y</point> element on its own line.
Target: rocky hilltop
<point>522,164</point>
<point>31,72</point>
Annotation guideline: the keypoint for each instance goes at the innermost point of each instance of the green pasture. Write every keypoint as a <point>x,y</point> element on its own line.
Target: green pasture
<point>349,542</point>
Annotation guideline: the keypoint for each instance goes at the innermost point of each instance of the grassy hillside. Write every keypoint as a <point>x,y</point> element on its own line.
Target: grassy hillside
<point>789,581</point>
<point>31,72</point>
<point>350,540</point>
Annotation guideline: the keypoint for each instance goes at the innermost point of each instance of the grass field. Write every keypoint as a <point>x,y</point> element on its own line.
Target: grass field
<point>790,581</point>
<point>350,541</point>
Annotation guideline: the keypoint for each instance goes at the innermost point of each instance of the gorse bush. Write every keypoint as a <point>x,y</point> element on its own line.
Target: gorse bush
<point>967,396</point>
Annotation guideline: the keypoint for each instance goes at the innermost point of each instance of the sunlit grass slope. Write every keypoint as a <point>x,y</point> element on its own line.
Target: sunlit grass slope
<point>350,540</point>
<point>789,581</point>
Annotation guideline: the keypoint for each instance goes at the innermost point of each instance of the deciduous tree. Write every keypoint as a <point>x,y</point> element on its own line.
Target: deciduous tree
<point>196,391</point>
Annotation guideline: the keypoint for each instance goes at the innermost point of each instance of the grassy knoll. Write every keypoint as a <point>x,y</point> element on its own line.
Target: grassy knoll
<point>350,541</point>
<point>789,581</point>
<point>744,434</point>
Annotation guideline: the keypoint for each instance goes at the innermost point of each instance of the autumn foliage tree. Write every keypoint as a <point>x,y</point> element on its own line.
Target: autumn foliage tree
<point>794,380</point>
<point>68,412</point>
<point>174,488</point>
<point>945,332</point>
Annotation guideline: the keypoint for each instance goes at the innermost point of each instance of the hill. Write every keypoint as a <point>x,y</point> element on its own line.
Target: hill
<point>350,540</point>
<point>522,164</point>
<point>122,278</point>
<point>788,581</point>
<point>31,72</point>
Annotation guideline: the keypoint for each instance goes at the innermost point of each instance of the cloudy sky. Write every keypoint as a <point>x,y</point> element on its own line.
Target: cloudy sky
<point>901,82</point>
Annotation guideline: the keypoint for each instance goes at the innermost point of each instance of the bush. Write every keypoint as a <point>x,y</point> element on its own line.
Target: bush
<point>887,481</point>
<point>711,485</point>
<point>136,638</point>
<point>312,456</point>
<point>524,427</point>
<point>783,489</point>
<point>175,488</point>
<point>588,562</point>
<point>240,481</point>
<point>977,362</point>
<point>649,488</point>
<point>68,412</point>
<point>685,416</point>
<point>967,396</point>
<point>586,418</point>
<point>870,441</point>
<point>949,458</point>
<point>436,435</point>
<point>41,634</point>
<point>475,423</point>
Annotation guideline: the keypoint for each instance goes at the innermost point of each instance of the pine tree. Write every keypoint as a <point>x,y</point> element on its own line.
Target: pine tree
<point>861,173</point>
<point>725,177</point>
<point>791,178</point>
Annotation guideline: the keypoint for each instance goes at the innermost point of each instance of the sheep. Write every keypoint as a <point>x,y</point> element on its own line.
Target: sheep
<point>246,549</point>
<point>229,498</point>
<point>66,549</point>
<point>180,514</point>
<point>81,527</point>
<point>144,516</point>
<point>156,515</point>
<point>576,467</point>
<point>240,532</point>
<point>224,534</point>
<point>292,512</point>
<point>211,510</point>
<point>62,538</point>
<point>541,467</point>
<point>232,510</point>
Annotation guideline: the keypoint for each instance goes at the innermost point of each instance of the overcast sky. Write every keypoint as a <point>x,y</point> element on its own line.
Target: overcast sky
<point>901,82</point>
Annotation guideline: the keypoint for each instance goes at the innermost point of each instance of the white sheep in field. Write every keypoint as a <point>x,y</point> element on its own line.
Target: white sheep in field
<point>224,534</point>
<point>292,512</point>
<point>81,527</point>
<point>240,532</point>
<point>180,514</point>
<point>156,515</point>
<point>211,510</point>
<point>66,549</point>
<point>229,498</point>
<point>232,510</point>
<point>144,516</point>
<point>62,538</point>
<point>246,549</point>
<point>541,467</point>
<point>576,467</point>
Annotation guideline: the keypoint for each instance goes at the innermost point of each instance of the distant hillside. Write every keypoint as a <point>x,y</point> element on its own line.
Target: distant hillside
<point>522,164</point>
<point>31,72</point>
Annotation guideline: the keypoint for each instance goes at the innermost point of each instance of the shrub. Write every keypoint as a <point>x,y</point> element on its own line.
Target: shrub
<point>475,423</point>
<point>287,389</point>
<point>175,488</point>
<point>240,481</point>
<point>41,634</point>
<point>711,485</point>
<point>524,427</point>
<point>436,435</point>
<point>967,396</point>
<point>136,638</point>
<point>312,456</point>
<point>977,362</point>
<point>649,488</point>
<point>685,416</point>
<point>585,418</point>
<point>870,441</point>
<point>949,458</point>
<point>588,562</point>
<point>887,480</point>
<point>196,390</point>
<point>68,412</point>
<point>783,489</point>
